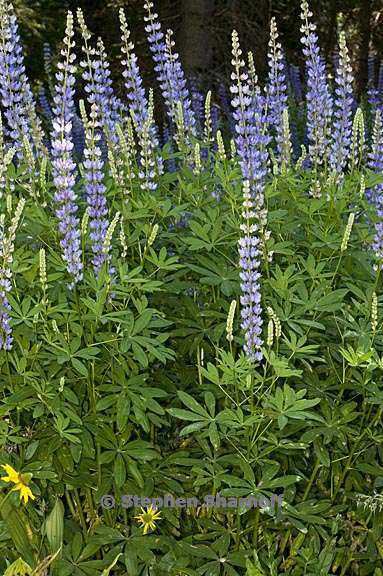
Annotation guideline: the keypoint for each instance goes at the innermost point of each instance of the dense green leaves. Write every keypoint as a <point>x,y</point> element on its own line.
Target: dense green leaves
<point>132,388</point>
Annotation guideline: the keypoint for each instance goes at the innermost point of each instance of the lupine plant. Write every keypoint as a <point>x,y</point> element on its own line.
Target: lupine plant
<point>343,102</point>
<point>276,89</point>
<point>170,76</point>
<point>16,96</point>
<point>319,100</point>
<point>62,161</point>
<point>95,189</point>
<point>212,329</point>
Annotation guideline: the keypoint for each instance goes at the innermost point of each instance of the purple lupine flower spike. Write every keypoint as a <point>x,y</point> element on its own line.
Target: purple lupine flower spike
<point>319,102</point>
<point>179,94</point>
<point>111,107</point>
<point>249,261</point>
<point>296,82</point>
<point>380,82</point>
<point>62,161</point>
<point>44,104</point>
<point>371,68</point>
<point>47,58</point>
<point>224,100</point>
<point>373,96</point>
<point>7,244</point>
<point>250,142</point>
<point>95,190</point>
<point>78,136</point>
<point>5,308</point>
<point>197,101</point>
<point>276,89</point>
<point>138,102</point>
<point>140,109</point>
<point>343,106</point>
<point>376,164</point>
<point>375,159</point>
<point>167,139</point>
<point>98,84</point>
<point>336,58</point>
<point>15,92</point>
<point>169,73</point>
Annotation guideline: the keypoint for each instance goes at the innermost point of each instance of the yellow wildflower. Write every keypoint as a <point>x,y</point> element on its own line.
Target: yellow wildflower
<point>20,481</point>
<point>148,518</point>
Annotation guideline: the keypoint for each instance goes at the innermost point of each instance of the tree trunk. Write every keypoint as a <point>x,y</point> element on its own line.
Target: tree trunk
<point>365,14</point>
<point>195,36</point>
<point>252,22</point>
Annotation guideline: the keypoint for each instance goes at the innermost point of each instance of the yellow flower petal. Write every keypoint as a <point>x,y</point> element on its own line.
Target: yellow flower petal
<point>25,492</point>
<point>13,476</point>
<point>147,518</point>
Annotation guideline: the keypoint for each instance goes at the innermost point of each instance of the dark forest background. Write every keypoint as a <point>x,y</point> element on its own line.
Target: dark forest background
<point>203,29</point>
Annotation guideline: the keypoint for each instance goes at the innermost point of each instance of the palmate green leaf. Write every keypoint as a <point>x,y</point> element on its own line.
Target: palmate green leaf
<point>123,411</point>
<point>214,435</point>
<point>186,415</point>
<point>79,367</point>
<point>88,353</point>
<point>142,322</point>
<point>119,471</point>
<point>54,526</point>
<point>322,453</point>
<point>140,450</point>
<point>194,427</point>
<point>192,404</point>
<point>198,550</point>
<point>330,302</point>
<point>282,482</point>
<point>280,365</point>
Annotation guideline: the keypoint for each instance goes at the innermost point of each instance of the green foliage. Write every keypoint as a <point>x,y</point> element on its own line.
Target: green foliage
<point>131,387</point>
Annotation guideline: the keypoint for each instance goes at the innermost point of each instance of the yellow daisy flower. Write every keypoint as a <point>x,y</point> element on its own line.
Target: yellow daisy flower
<point>148,518</point>
<point>20,481</point>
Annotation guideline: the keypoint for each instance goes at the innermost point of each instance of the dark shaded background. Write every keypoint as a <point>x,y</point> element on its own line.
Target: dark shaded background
<point>203,29</point>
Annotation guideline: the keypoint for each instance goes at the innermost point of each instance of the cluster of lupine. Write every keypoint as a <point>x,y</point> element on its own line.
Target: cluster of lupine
<point>7,243</point>
<point>375,84</point>
<point>251,140</point>
<point>62,160</point>
<point>376,164</point>
<point>98,84</point>
<point>343,103</point>
<point>124,132</point>
<point>318,97</point>
<point>141,110</point>
<point>15,92</point>
<point>276,90</point>
<point>95,188</point>
<point>170,76</point>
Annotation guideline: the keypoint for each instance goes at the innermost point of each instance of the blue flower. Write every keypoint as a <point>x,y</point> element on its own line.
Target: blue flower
<point>95,190</point>
<point>62,160</point>
<point>251,143</point>
<point>170,74</point>
<point>141,111</point>
<point>15,91</point>
<point>375,163</point>
<point>276,89</point>
<point>318,97</point>
<point>343,106</point>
